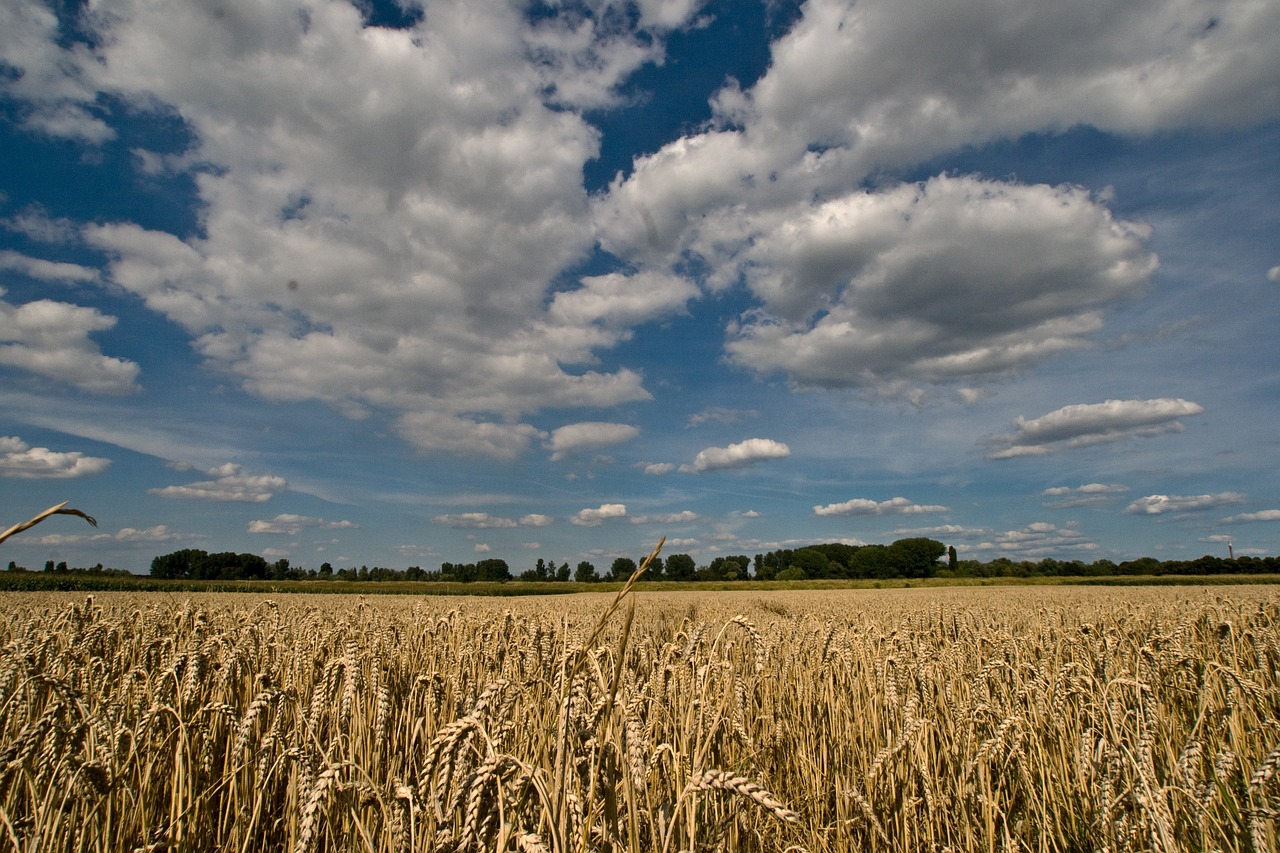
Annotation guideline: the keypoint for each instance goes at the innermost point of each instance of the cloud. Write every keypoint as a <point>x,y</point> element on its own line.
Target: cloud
<point>51,339</point>
<point>949,531</point>
<point>439,432</point>
<point>481,548</point>
<point>862,89</point>
<point>683,517</point>
<point>46,270</point>
<point>1038,539</point>
<point>596,517</point>
<point>478,520</point>
<point>621,301</point>
<point>155,533</point>
<point>1164,504</point>
<point>1249,517</point>
<point>865,506</point>
<point>1089,494</point>
<point>656,469</point>
<point>24,462</point>
<point>229,485</point>
<point>536,520</point>
<point>288,524</point>
<point>721,415</point>
<point>34,222</point>
<point>588,435</point>
<point>1091,423</point>
<point>387,214</point>
<point>954,279</point>
<point>1273,274</point>
<point>738,455</point>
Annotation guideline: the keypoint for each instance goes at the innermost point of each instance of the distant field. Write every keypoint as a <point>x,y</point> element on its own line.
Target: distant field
<point>964,718</point>
<point>56,582</point>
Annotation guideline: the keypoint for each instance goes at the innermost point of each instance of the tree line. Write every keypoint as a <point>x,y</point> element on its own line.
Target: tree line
<point>915,557</point>
<point>906,558</point>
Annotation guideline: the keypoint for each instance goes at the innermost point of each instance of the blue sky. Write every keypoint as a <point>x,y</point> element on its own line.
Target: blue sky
<point>386,285</point>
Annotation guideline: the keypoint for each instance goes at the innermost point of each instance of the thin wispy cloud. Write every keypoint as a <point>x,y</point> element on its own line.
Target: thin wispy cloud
<point>288,524</point>
<point>476,520</point>
<point>867,506</point>
<point>1037,540</point>
<point>229,485</point>
<point>1250,517</point>
<point>1166,504</point>
<point>1089,494</point>
<point>1087,424</point>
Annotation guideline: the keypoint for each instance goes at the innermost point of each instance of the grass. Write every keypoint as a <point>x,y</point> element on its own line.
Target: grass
<point>967,718</point>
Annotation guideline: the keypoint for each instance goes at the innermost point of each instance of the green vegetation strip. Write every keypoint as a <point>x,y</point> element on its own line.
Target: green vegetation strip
<point>73,582</point>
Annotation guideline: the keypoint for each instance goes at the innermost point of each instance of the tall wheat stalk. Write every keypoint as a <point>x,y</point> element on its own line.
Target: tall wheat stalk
<point>60,509</point>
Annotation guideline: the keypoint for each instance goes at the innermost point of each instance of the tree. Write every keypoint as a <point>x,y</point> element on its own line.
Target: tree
<point>562,573</point>
<point>681,567</point>
<point>585,573</point>
<point>725,569</point>
<point>493,569</point>
<point>812,562</point>
<point>179,564</point>
<point>622,568</point>
<point>917,557</point>
<point>279,569</point>
<point>952,562</point>
<point>872,561</point>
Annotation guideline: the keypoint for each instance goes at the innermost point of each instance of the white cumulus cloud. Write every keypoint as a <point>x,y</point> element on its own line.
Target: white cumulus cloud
<point>738,455</point>
<point>51,339</point>
<point>587,436</point>
<point>386,213</point>
<point>595,517</point>
<point>954,279</point>
<point>229,485</point>
<point>22,461</point>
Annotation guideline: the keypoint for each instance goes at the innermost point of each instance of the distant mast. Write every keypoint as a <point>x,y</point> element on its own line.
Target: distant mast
<point>1231,552</point>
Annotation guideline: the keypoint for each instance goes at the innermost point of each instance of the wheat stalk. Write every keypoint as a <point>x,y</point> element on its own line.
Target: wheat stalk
<point>59,509</point>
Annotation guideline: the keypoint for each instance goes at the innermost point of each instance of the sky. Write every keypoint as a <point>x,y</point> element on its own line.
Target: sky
<point>395,285</point>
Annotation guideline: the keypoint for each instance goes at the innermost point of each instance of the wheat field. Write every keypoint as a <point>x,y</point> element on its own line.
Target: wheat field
<point>968,719</point>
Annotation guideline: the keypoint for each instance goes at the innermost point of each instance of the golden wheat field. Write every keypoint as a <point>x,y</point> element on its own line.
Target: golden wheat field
<point>967,719</point>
